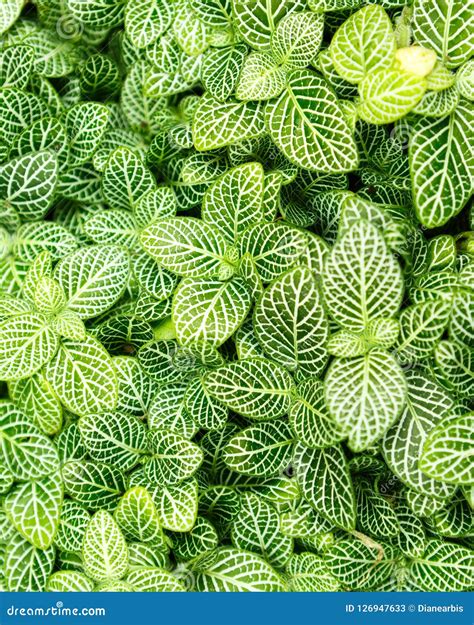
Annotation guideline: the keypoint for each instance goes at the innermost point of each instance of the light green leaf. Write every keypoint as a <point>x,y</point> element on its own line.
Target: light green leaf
<point>27,184</point>
<point>388,94</point>
<point>263,450</point>
<point>209,310</point>
<point>93,278</point>
<point>34,509</point>
<point>27,453</point>
<point>177,505</point>
<point>104,550</point>
<point>126,179</point>
<point>148,579</point>
<point>307,124</point>
<point>365,396</point>
<point>290,322</point>
<point>296,40</point>
<point>85,126</point>
<point>234,201</point>
<point>233,570</point>
<point>35,397</point>
<point>447,452</point>
<point>185,245</point>
<point>97,13</point>
<point>325,482</point>
<point>27,342</point>
<point>309,573</point>
<point>439,25</point>
<point>443,567</point>
<point>260,78</point>
<point>9,13</point>
<point>255,388</point>
<point>137,517</point>
<point>217,124</point>
<point>146,20</point>
<point>72,526</point>
<point>433,169</point>
<point>363,44</point>
<point>361,279</point>
<point>428,403</point>
<point>83,377</point>
<point>69,581</point>
<point>220,70</point>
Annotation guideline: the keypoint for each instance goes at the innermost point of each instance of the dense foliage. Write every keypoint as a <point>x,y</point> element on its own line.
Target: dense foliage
<point>236,295</point>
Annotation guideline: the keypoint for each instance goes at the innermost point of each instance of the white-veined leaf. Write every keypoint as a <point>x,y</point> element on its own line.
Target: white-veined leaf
<point>126,179</point>
<point>309,573</point>
<point>363,44</point>
<point>152,579</point>
<point>146,20</point>
<point>69,581</point>
<point>307,124</point>
<point>296,40</point>
<point>447,452</point>
<point>443,567</point>
<point>209,311</point>
<point>94,485</point>
<point>361,279</point>
<point>85,126</point>
<point>260,78</point>
<point>35,397</point>
<point>137,517</point>
<point>104,550</point>
<point>83,377</point>
<point>255,388</point>
<point>174,458</point>
<point>27,568</point>
<point>34,509</point>
<point>93,278</point>
<point>365,396</point>
<point>325,482</point>
<point>290,322</point>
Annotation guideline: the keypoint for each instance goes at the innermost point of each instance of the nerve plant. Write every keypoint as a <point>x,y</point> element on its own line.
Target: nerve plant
<point>236,295</point>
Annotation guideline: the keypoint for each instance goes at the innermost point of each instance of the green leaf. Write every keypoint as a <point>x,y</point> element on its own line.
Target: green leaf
<point>114,438</point>
<point>185,245</point>
<point>33,238</point>
<point>27,342</point>
<point>174,458</point>
<point>325,482</point>
<point>34,509</point>
<point>364,44</point>
<point>72,526</point>
<point>27,568</point>
<point>361,279</point>
<point>147,579</point>
<point>35,397</point>
<point>443,567</point>
<point>233,570</point>
<point>255,388</point>
<point>200,540</point>
<point>274,248</point>
<point>137,516</point>
<point>93,278</point>
<point>217,124</point>
<point>82,376</point>
<point>365,396</point>
<point>260,78</point>
<point>27,184</point>
<point>234,201</point>
<point>375,515</point>
<point>257,529</point>
<point>447,452</point>
<point>360,566</point>
<point>296,40</point>
<point>439,26</point>
<point>85,126</point>
<point>209,310</point>
<point>290,322</point>
<point>11,10</point>
<point>146,21</point>
<point>307,125</point>
<point>309,416</point>
<point>126,179</point>
<point>428,403</point>
<point>97,13</point>
<point>263,450</point>
<point>104,550</point>
<point>69,581</point>
<point>220,70</point>
<point>26,451</point>
<point>388,94</point>
<point>94,485</point>
<point>256,20</point>
<point>309,573</point>
<point>433,169</point>
<point>177,505</point>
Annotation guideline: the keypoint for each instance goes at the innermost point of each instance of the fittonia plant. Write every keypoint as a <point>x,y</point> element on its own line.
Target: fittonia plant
<point>237,303</point>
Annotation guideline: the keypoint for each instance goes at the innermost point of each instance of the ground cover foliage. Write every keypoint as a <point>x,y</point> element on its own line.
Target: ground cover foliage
<point>236,295</point>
